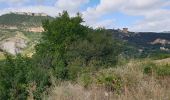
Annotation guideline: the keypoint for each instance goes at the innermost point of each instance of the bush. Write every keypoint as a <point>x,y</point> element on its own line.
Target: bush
<point>67,50</point>
<point>159,70</point>
<point>17,74</point>
<point>149,68</point>
<point>110,81</point>
<point>65,40</point>
<point>13,78</point>
<point>85,79</point>
<point>163,70</point>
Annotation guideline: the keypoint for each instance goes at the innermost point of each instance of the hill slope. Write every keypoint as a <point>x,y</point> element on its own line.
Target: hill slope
<point>24,20</point>
<point>18,29</point>
<point>13,26</point>
<point>146,43</point>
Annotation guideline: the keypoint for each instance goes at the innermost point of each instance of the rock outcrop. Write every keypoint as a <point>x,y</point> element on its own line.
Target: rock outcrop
<point>160,41</point>
<point>13,45</point>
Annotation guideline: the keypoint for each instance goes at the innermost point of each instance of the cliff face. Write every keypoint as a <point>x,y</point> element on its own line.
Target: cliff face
<point>161,41</point>
<point>35,29</point>
<point>13,45</point>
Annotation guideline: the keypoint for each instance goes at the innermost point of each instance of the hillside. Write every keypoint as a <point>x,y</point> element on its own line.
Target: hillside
<point>137,83</point>
<point>22,20</point>
<point>151,44</point>
<point>75,62</point>
<point>29,26</point>
<point>146,43</point>
<point>20,31</point>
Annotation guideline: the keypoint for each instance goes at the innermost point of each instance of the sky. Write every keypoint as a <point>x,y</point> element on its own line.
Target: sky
<point>137,15</point>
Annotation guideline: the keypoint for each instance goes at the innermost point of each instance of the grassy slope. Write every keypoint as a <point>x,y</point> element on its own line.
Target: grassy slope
<point>22,20</point>
<point>136,85</point>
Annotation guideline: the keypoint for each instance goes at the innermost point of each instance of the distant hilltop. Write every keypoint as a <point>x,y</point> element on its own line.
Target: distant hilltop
<point>30,13</point>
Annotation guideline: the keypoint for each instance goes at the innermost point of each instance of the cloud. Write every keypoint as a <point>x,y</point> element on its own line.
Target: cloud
<point>109,23</point>
<point>155,21</point>
<point>70,5</point>
<point>108,6</point>
<point>13,1</point>
<point>155,17</point>
<point>19,2</point>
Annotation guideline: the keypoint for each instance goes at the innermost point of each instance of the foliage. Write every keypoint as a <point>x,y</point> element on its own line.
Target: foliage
<point>136,85</point>
<point>13,19</point>
<point>159,70</point>
<point>148,68</point>
<point>57,36</point>
<point>65,40</point>
<point>160,55</point>
<point>85,79</point>
<point>66,51</point>
<point>110,81</point>
<point>164,70</point>
<point>15,76</point>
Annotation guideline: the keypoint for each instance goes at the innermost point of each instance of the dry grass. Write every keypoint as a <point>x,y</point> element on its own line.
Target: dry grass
<point>136,86</point>
<point>163,61</point>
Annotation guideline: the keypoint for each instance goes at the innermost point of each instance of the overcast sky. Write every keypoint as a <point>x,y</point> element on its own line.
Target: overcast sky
<point>137,15</point>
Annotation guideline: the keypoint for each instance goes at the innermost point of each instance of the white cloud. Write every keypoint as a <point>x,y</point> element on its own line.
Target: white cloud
<point>155,17</point>
<point>133,6</point>
<point>70,5</point>
<point>155,21</point>
<point>109,23</point>
<point>13,2</point>
<point>19,2</point>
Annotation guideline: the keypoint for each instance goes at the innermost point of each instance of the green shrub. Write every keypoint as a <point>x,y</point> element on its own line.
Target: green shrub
<point>163,70</point>
<point>65,39</point>
<point>160,70</point>
<point>110,81</point>
<point>160,55</point>
<point>149,68</point>
<point>85,79</point>
<point>15,76</point>
<point>67,50</point>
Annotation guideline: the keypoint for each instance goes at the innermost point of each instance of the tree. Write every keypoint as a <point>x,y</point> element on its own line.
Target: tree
<point>17,74</point>
<point>58,35</point>
<point>67,44</point>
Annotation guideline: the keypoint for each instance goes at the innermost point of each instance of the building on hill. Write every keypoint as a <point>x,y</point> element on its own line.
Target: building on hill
<point>125,30</point>
<point>30,13</point>
<point>40,14</point>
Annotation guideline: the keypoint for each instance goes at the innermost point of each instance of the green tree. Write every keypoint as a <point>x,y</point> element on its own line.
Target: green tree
<point>58,35</point>
<point>13,78</point>
<point>67,46</point>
